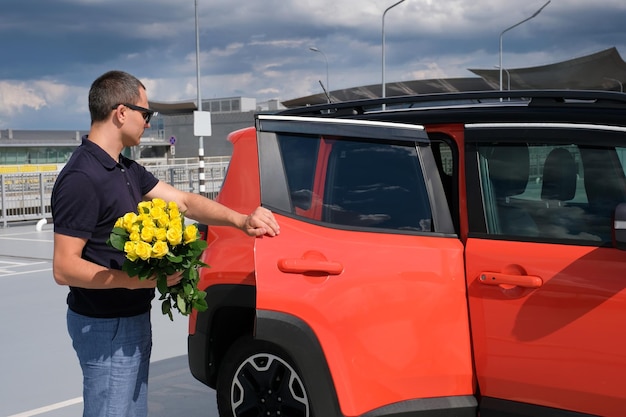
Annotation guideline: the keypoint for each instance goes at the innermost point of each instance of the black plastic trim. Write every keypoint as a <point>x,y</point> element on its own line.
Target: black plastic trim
<point>494,407</point>
<point>455,406</point>
<point>530,98</point>
<point>274,188</point>
<point>298,340</point>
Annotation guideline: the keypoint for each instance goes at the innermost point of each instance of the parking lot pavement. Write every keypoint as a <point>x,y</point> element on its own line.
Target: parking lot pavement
<point>39,372</point>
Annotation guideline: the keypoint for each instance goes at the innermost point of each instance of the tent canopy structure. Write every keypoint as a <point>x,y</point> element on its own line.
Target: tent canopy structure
<point>604,70</point>
<point>184,107</point>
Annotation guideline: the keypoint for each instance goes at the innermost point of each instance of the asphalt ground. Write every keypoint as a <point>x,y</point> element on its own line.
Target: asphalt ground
<point>39,372</point>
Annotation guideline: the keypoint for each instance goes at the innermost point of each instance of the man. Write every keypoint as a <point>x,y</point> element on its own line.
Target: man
<point>108,316</point>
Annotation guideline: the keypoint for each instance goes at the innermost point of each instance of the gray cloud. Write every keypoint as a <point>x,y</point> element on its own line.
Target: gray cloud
<point>260,48</point>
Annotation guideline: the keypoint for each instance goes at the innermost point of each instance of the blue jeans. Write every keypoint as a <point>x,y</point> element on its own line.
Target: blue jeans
<point>114,356</point>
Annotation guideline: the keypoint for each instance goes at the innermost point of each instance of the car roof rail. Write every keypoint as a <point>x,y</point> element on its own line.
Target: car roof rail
<point>550,98</point>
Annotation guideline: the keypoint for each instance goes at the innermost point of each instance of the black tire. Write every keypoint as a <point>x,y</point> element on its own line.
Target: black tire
<point>256,379</point>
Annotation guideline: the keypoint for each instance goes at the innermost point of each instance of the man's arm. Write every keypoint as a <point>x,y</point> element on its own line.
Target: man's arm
<point>204,210</point>
<point>69,268</point>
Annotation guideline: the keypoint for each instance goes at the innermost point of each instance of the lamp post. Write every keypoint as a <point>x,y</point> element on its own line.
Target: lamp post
<point>383,48</point>
<point>514,26</point>
<point>314,49</point>
<point>201,177</point>
<point>508,77</point>
<point>621,86</point>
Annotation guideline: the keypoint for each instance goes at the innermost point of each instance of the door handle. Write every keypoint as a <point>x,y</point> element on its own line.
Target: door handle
<point>311,262</point>
<point>497,278</point>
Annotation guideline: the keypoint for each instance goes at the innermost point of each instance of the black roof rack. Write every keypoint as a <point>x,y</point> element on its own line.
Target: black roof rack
<point>538,98</point>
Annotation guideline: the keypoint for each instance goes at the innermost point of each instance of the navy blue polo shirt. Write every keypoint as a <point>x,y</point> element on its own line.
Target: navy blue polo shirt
<point>90,194</point>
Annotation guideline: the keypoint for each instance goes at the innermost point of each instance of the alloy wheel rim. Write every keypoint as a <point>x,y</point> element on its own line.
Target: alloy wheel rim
<point>265,384</point>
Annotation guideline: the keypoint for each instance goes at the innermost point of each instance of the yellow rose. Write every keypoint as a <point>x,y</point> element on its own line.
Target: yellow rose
<point>160,234</point>
<point>130,249</point>
<point>191,234</point>
<point>147,221</point>
<point>157,212</point>
<point>134,228</point>
<point>172,205</point>
<point>176,223</point>
<point>159,249</point>
<point>119,222</point>
<point>174,214</point>
<point>144,207</point>
<point>157,202</point>
<point>174,236</point>
<point>143,250</point>
<point>134,236</point>
<point>129,220</point>
<point>147,233</point>
<point>163,221</point>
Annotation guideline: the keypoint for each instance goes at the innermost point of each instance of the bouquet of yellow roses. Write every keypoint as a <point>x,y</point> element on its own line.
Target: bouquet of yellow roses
<point>157,244</point>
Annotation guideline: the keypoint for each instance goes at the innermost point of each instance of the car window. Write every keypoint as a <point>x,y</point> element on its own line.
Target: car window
<point>300,156</point>
<point>356,183</point>
<point>555,191</point>
<point>445,159</point>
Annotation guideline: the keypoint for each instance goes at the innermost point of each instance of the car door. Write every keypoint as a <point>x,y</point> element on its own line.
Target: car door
<point>547,291</point>
<point>366,259</point>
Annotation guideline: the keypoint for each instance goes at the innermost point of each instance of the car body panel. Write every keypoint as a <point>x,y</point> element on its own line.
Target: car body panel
<point>230,252</point>
<point>560,344</point>
<point>391,330</point>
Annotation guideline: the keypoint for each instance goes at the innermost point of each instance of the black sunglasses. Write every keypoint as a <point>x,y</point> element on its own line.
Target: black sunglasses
<point>146,113</point>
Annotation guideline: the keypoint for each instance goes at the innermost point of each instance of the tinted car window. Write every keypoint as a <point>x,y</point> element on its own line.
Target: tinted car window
<point>299,156</point>
<point>361,183</point>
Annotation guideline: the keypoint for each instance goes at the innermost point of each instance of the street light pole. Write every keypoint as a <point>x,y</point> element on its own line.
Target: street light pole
<point>514,26</point>
<point>201,177</point>
<point>508,77</point>
<point>383,47</point>
<point>314,49</point>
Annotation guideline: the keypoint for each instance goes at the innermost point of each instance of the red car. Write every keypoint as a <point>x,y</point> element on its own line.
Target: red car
<point>441,255</point>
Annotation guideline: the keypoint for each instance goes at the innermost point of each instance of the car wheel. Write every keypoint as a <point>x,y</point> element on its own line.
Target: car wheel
<point>257,378</point>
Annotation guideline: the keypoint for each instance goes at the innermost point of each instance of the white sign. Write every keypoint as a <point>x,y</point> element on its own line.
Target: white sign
<point>201,123</point>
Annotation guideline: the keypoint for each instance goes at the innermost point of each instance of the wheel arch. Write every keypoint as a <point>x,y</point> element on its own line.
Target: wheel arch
<point>298,340</point>
<point>230,315</point>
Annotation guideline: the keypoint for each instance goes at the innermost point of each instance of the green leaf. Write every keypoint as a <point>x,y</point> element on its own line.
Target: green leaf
<point>193,274</point>
<point>174,258</point>
<point>162,284</point>
<point>182,305</point>
<point>117,241</point>
<point>131,268</point>
<point>198,245</point>
<point>166,308</point>
<point>120,231</point>
<point>200,304</point>
<point>188,289</point>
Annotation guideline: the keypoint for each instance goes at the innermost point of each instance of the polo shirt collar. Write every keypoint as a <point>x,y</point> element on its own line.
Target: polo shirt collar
<point>99,153</point>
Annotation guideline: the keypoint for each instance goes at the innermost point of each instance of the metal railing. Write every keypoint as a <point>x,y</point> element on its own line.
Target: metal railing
<point>26,195</point>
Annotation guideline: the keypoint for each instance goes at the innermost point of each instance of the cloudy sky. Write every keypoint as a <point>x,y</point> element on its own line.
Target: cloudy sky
<point>53,49</point>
